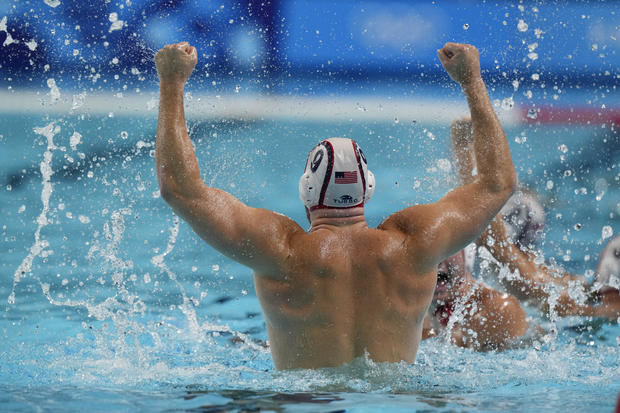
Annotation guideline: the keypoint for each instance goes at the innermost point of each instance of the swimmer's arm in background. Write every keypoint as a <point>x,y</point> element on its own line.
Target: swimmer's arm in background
<point>443,228</point>
<point>534,281</point>
<point>254,237</point>
<point>534,278</point>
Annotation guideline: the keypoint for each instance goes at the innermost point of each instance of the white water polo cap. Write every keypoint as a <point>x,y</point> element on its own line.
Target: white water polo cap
<point>524,217</point>
<point>336,176</point>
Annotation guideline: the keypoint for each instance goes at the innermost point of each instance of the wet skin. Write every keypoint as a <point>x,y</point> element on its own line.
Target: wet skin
<point>340,290</point>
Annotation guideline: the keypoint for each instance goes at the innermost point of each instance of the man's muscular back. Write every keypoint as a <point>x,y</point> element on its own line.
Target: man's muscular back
<point>341,289</point>
<point>345,291</point>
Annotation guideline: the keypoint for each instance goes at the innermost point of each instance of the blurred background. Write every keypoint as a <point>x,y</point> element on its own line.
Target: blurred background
<point>310,47</point>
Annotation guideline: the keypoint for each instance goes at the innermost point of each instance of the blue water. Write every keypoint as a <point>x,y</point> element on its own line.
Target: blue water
<point>121,306</point>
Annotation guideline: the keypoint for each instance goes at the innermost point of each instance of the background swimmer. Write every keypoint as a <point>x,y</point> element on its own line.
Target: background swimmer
<point>482,318</point>
<point>341,290</point>
<point>513,233</point>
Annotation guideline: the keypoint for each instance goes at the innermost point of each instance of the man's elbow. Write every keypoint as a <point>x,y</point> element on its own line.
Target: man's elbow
<point>503,185</point>
<point>510,184</point>
<point>168,190</point>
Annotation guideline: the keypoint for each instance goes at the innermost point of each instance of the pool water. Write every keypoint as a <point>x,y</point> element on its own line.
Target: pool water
<point>109,300</point>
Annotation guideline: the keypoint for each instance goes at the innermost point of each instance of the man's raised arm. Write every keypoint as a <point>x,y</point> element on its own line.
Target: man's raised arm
<point>177,167</point>
<point>254,237</point>
<point>495,168</point>
<point>458,218</point>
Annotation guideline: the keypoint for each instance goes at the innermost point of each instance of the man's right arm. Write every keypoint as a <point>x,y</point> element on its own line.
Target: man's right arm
<point>443,228</point>
<point>254,237</point>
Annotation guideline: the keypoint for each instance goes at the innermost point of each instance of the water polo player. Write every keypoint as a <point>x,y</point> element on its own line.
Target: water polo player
<point>476,315</point>
<point>340,290</point>
<point>516,230</point>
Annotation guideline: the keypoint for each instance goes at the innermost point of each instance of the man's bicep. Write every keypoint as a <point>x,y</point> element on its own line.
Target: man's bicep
<point>451,223</point>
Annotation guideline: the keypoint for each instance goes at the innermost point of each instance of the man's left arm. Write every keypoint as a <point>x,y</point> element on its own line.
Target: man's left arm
<point>254,237</point>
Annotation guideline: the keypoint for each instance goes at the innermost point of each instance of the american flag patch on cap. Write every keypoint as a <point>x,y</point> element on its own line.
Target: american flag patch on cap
<point>349,177</point>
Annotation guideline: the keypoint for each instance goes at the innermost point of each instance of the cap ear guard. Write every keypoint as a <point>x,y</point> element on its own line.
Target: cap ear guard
<point>307,191</point>
<point>313,179</point>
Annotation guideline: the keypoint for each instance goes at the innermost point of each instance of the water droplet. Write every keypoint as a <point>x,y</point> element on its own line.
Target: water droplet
<point>75,140</point>
<point>124,135</point>
<point>549,185</point>
<point>444,165</point>
<point>466,26</point>
<point>32,45</point>
<point>577,227</point>
<point>607,232</point>
<point>54,90</point>
<point>563,148</point>
<point>522,26</point>
<point>508,103</point>
<point>532,113</point>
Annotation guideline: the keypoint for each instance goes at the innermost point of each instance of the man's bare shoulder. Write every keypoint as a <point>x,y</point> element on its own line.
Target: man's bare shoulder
<point>407,220</point>
<point>414,222</point>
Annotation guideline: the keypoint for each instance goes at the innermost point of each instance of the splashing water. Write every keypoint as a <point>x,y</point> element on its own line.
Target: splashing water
<point>40,244</point>
<point>54,90</point>
<point>52,3</point>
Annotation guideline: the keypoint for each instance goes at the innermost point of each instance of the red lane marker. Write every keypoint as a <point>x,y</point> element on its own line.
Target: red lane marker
<point>570,115</point>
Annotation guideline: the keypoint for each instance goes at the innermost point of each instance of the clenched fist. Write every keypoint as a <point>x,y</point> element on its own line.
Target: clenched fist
<point>175,62</point>
<point>461,61</point>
